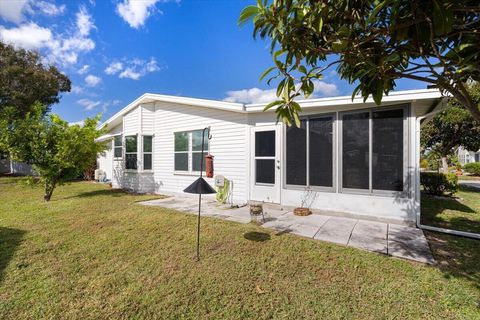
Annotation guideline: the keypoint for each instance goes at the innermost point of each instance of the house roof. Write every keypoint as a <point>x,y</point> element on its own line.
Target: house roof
<point>395,96</point>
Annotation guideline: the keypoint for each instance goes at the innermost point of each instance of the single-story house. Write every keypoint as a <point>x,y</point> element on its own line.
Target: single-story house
<point>353,156</point>
<point>8,166</point>
<point>466,156</point>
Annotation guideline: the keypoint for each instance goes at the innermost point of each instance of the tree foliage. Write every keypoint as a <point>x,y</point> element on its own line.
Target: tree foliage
<point>373,44</point>
<point>25,80</point>
<point>58,151</point>
<point>452,128</point>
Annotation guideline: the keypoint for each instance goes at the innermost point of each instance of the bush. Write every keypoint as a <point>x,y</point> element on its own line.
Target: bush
<point>439,183</point>
<point>472,168</point>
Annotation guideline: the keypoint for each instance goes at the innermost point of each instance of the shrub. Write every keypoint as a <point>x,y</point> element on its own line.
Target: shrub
<point>472,168</point>
<point>439,183</point>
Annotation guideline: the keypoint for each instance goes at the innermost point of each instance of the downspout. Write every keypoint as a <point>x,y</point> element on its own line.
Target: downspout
<point>417,186</point>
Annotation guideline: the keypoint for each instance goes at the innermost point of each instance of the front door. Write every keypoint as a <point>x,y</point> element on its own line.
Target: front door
<point>265,168</point>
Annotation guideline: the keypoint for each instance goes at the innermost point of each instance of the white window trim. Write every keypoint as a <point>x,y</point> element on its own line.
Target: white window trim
<point>121,146</point>
<point>143,153</point>
<point>125,153</point>
<point>370,190</point>
<point>333,188</point>
<point>189,153</point>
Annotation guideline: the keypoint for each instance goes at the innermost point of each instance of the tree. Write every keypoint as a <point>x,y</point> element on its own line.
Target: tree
<point>25,80</point>
<point>57,151</point>
<point>372,43</point>
<point>452,128</point>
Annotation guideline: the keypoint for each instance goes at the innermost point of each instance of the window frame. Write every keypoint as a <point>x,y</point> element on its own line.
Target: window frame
<point>307,118</point>
<point>125,153</point>
<point>189,152</point>
<point>121,146</point>
<point>143,152</point>
<point>406,153</point>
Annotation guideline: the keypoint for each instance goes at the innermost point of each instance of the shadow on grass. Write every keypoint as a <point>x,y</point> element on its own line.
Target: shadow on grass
<point>257,236</point>
<point>456,256</point>
<point>10,239</point>
<point>99,193</point>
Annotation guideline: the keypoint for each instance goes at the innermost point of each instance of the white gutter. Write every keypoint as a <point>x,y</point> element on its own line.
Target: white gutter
<point>417,191</point>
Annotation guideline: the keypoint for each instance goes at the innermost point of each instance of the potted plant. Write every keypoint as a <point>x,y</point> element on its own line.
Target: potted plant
<point>308,198</point>
<point>256,213</point>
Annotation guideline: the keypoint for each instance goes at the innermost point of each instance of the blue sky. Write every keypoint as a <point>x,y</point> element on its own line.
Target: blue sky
<point>116,50</point>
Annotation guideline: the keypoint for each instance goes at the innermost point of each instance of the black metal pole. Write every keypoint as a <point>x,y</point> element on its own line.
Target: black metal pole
<point>200,198</point>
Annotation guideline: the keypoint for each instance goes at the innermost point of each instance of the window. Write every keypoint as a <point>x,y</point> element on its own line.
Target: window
<point>373,150</point>
<point>131,152</point>
<point>147,152</point>
<point>265,157</point>
<point>387,150</point>
<point>355,153</point>
<point>117,147</point>
<point>310,152</point>
<point>188,151</point>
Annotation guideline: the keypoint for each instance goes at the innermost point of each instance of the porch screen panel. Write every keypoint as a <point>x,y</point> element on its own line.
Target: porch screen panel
<point>355,151</point>
<point>387,150</point>
<point>321,152</point>
<point>296,155</point>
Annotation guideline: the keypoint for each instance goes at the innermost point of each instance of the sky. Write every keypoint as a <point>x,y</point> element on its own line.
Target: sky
<point>113,51</point>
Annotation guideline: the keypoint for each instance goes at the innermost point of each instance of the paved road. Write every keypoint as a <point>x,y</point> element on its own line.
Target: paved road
<point>470,183</point>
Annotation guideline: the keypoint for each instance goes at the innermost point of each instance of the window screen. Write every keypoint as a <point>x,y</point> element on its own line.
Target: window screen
<point>265,171</point>
<point>265,144</point>
<point>296,154</point>
<point>355,151</point>
<point>387,150</point>
<point>147,152</point>
<point>321,152</point>
<point>117,147</point>
<point>131,152</point>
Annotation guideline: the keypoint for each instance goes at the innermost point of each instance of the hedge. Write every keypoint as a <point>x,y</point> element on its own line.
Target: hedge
<point>472,168</point>
<point>439,183</point>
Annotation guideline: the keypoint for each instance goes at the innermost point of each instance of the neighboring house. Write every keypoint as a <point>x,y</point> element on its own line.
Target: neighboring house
<point>465,156</point>
<point>360,158</point>
<point>13,167</point>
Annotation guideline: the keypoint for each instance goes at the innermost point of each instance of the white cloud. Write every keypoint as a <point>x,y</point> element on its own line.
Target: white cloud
<point>114,68</point>
<point>84,22</point>
<point>133,69</point>
<point>76,89</point>
<point>50,9</point>
<point>109,103</point>
<point>88,104</point>
<point>83,69</point>
<point>27,36</point>
<point>63,48</point>
<point>136,12</point>
<point>92,81</point>
<point>12,10</point>
<point>256,95</point>
<point>77,123</point>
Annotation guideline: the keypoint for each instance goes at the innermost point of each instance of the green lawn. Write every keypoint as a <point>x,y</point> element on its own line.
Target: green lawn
<point>93,253</point>
<point>459,214</point>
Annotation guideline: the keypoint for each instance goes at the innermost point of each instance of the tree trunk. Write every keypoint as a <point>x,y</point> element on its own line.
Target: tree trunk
<point>49,187</point>
<point>444,165</point>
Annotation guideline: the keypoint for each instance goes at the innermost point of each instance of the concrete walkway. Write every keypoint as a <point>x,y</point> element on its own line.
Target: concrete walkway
<point>387,238</point>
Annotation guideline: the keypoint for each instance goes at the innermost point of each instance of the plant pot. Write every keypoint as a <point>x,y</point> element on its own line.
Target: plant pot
<point>302,212</point>
<point>256,214</point>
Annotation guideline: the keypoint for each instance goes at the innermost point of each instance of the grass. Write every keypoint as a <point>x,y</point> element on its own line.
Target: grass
<point>94,253</point>
<point>461,213</point>
<point>469,178</point>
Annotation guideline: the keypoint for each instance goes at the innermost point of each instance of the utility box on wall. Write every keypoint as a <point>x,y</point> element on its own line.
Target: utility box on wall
<point>219,181</point>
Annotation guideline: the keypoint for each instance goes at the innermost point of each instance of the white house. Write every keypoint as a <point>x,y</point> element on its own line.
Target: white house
<point>357,157</point>
<point>465,156</point>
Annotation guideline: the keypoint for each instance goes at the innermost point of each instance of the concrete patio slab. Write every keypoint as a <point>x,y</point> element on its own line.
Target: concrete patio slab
<point>371,236</point>
<point>381,237</point>
<point>337,230</point>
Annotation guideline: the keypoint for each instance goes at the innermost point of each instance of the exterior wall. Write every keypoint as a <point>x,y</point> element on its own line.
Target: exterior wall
<point>400,208</point>
<point>4,166</point>
<point>228,146</point>
<point>13,167</point>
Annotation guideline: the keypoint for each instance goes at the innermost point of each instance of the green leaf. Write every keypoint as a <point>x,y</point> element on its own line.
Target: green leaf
<point>266,72</point>
<point>273,104</point>
<point>247,13</point>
